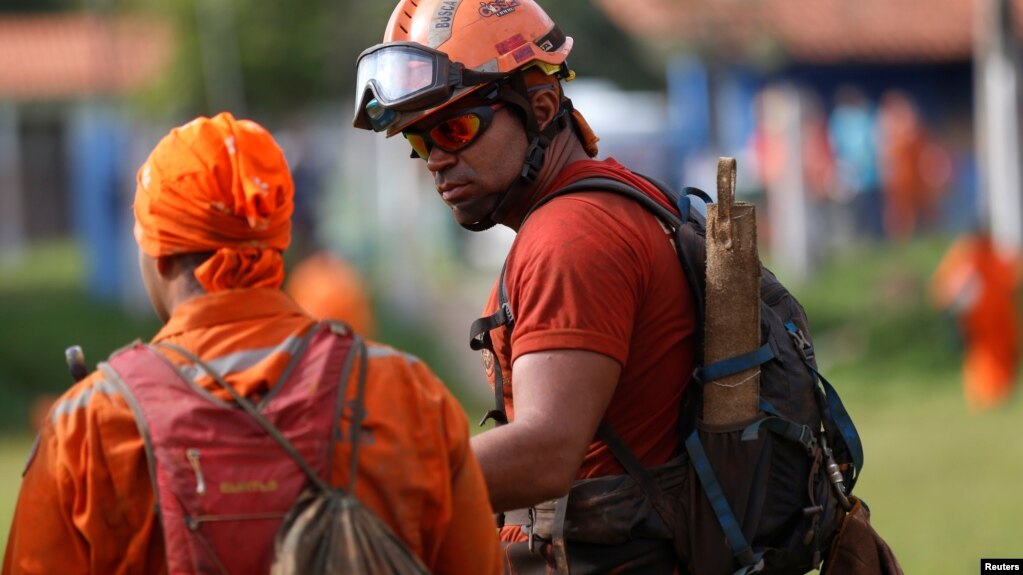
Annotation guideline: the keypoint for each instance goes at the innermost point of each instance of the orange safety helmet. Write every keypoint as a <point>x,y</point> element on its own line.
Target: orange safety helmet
<point>438,51</point>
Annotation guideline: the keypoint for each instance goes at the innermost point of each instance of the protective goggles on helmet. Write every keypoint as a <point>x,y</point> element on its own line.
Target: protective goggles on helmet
<point>406,77</point>
<point>454,132</point>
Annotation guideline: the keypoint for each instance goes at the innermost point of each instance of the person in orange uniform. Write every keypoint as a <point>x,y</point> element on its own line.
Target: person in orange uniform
<point>328,287</point>
<point>212,209</point>
<point>978,282</point>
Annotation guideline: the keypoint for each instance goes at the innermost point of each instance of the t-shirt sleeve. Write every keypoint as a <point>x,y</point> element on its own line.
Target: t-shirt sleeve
<point>574,279</point>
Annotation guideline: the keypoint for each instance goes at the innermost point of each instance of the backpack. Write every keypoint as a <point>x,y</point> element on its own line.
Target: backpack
<point>247,490</point>
<point>765,495</point>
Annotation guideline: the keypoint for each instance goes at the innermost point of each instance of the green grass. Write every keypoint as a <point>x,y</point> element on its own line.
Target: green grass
<point>43,310</point>
<point>14,450</point>
<point>943,485</point>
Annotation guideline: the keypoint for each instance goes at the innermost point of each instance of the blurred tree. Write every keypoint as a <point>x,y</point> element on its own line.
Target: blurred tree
<point>15,6</point>
<point>294,55</point>
<point>288,56</point>
<point>602,50</point>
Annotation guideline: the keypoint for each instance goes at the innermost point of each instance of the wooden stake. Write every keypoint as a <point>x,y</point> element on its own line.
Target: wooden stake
<point>733,301</point>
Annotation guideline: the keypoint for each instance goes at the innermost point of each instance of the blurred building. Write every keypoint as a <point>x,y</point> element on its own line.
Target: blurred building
<point>64,136</point>
<point>760,80</point>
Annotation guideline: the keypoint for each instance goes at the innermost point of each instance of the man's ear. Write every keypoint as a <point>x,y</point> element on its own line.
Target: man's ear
<point>165,266</point>
<point>546,104</point>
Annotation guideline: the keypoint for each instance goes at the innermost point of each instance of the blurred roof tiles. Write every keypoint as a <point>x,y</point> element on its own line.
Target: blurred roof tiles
<point>72,55</point>
<point>811,31</point>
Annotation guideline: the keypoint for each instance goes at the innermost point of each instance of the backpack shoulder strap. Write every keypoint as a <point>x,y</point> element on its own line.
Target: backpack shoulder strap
<point>689,233</point>
<point>138,354</point>
<point>479,339</point>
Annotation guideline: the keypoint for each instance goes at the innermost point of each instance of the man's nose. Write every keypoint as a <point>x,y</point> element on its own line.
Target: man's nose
<point>439,159</point>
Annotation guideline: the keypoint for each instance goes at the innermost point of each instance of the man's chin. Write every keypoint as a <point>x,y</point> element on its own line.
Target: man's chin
<point>475,213</point>
<point>466,219</point>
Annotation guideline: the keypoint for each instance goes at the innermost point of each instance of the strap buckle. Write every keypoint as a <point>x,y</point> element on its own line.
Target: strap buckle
<point>808,439</point>
<point>499,417</point>
<point>532,521</point>
<point>802,343</point>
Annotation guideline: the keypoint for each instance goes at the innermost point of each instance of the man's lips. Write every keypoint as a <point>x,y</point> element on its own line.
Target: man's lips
<point>453,193</point>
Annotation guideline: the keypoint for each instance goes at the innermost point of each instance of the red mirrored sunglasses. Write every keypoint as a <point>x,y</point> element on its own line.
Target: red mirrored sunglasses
<point>452,133</point>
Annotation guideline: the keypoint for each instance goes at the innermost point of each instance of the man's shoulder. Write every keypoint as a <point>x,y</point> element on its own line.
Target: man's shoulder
<point>381,351</point>
<point>93,398</point>
<point>403,369</point>
<point>591,220</point>
<point>396,377</point>
<point>591,205</point>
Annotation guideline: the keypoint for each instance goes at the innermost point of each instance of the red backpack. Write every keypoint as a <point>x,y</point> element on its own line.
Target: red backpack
<point>230,478</point>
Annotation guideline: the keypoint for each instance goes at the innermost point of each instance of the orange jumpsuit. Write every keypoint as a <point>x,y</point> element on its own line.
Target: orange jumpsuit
<point>87,506</point>
<point>979,284</point>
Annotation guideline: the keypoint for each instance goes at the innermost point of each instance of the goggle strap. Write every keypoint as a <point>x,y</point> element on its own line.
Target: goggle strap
<point>516,92</point>
<point>552,41</point>
<point>468,77</point>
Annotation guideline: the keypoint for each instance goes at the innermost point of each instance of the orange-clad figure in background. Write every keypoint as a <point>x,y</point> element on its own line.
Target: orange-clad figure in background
<point>902,142</point>
<point>136,468</point>
<point>328,287</point>
<point>977,281</point>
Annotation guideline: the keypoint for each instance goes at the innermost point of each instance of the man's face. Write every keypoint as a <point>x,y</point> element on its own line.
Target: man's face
<point>472,179</point>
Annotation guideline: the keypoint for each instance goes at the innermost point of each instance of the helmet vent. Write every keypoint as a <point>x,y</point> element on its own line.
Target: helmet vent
<point>405,16</point>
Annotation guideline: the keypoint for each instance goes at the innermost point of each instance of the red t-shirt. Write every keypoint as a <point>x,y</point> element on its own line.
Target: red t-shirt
<point>595,271</point>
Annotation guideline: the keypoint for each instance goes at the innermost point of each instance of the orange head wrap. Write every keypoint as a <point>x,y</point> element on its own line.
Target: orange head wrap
<point>218,185</point>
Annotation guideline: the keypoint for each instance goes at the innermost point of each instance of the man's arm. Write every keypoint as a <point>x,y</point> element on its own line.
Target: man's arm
<point>470,545</point>
<point>560,398</point>
<point>42,537</point>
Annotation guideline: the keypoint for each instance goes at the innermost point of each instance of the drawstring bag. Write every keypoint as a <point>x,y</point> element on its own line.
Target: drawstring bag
<point>329,531</point>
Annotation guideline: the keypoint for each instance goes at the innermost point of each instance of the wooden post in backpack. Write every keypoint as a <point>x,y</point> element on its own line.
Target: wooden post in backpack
<point>732,325</point>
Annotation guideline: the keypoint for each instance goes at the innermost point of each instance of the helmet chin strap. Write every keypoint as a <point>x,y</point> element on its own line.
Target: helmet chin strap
<point>516,93</point>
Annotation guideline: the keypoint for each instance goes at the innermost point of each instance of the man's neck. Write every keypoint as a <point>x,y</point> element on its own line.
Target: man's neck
<point>180,287</point>
<point>565,149</point>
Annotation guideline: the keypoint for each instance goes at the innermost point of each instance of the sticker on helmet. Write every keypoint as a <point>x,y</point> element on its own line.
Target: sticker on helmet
<point>497,7</point>
<point>522,54</point>
<point>509,44</point>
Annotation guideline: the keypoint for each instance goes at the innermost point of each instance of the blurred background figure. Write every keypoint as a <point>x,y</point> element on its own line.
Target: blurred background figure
<point>907,203</point>
<point>851,130</point>
<point>977,282</point>
<point>40,410</point>
<point>326,286</point>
